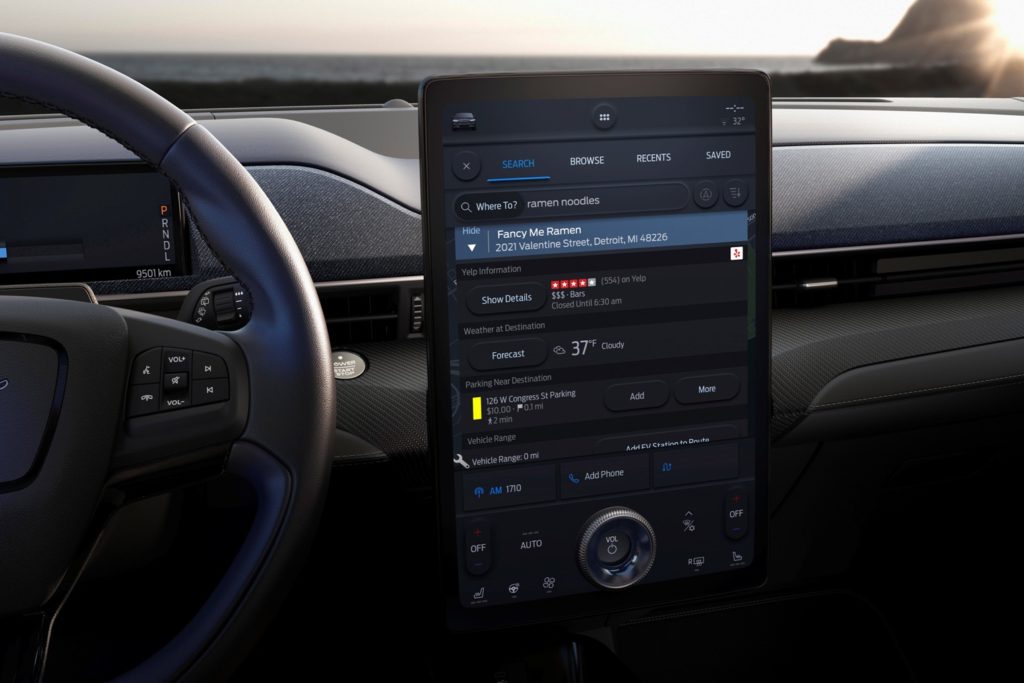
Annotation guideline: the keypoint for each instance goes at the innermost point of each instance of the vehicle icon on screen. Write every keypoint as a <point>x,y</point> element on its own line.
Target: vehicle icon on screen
<point>464,120</point>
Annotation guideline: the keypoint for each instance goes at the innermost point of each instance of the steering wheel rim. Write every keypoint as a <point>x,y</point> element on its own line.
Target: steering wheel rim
<point>284,447</point>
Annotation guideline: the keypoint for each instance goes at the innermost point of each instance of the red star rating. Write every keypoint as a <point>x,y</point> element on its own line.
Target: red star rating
<point>574,283</point>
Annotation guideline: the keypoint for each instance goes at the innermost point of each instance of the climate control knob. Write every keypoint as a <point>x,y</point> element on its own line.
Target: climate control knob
<point>616,548</point>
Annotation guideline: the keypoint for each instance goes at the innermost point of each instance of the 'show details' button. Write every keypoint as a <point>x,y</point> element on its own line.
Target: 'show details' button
<point>526,296</point>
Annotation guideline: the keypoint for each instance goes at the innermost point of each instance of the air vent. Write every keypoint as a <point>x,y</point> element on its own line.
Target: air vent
<point>841,275</point>
<point>367,311</point>
<point>356,315</point>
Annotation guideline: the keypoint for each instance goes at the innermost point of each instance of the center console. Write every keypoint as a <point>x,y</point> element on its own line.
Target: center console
<point>597,279</point>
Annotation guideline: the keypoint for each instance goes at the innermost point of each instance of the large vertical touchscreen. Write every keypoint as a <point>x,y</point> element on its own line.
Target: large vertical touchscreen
<point>599,335</point>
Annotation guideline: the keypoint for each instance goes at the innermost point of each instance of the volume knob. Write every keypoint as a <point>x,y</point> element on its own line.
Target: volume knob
<point>616,548</point>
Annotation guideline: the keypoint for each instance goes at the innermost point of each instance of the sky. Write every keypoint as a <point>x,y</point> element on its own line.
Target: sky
<point>522,27</point>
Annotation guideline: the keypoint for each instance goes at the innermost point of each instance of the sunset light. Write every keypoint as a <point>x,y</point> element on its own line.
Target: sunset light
<point>1008,18</point>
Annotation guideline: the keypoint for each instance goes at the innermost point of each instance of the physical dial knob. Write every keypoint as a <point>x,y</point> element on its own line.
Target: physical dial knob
<point>616,547</point>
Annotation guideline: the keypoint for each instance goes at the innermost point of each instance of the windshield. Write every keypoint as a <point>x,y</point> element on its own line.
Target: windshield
<point>205,54</point>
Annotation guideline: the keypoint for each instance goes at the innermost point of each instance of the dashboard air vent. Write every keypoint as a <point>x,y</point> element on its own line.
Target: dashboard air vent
<point>357,315</point>
<point>802,279</point>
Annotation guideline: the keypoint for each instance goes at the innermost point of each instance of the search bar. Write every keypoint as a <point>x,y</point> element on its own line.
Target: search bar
<point>628,199</point>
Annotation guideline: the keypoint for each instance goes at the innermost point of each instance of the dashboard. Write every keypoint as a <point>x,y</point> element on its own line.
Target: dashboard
<point>853,182</point>
<point>898,261</point>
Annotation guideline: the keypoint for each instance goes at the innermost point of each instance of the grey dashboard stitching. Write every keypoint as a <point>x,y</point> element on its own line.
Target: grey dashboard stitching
<point>916,392</point>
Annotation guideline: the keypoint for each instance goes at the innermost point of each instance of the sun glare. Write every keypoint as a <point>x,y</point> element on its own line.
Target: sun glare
<point>1008,17</point>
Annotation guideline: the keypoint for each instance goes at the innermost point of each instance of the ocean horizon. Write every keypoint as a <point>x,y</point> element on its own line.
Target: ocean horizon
<point>342,68</point>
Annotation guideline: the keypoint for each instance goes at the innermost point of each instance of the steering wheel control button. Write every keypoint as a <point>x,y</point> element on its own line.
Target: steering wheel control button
<point>478,548</point>
<point>208,366</point>
<point>177,360</point>
<point>209,391</point>
<point>466,166</point>
<point>347,364</point>
<point>28,381</point>
<point>606,475</point>
<point>175,381</point>
<point>613,547</point>
<point>189,378</point>
<point>222,307</point>
<point>636,395</point>
<point>179,399</point>
<point>735,192</point>
<point>705,194</point>
<point>736,513</point>
<point>146,368</point>
<point>604,117</point>
<point>143,399</point>
<point>616,548</point>
<point>707,388</point>
<point>486,490</point>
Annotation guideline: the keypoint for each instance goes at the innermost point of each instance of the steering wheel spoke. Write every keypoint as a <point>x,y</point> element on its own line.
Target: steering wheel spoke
<point>186,403</point>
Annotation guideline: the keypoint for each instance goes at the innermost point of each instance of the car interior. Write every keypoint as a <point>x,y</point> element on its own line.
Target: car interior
<point>229,450</point>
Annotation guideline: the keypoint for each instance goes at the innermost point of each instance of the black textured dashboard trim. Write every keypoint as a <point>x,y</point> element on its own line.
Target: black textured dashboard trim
<point>811,347</point>
<point>854,195</point>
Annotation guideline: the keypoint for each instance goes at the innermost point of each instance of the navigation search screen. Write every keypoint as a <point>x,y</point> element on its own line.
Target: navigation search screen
<point>89,223</point>
<point>601,319</point>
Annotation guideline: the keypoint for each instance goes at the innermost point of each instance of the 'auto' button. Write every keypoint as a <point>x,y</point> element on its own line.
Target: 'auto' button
<point>636,395</point>
<point>509,353</point>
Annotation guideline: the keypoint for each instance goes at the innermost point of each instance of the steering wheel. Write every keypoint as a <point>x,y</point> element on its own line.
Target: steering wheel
<point>71,438</point>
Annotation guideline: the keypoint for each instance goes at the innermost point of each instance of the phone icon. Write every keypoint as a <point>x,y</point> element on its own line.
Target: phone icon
<point>573,479</point>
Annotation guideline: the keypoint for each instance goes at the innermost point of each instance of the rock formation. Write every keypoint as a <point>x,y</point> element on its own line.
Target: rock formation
<point>931,32</point>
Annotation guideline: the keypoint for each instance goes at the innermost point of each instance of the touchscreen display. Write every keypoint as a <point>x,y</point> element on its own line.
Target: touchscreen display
<point>602,342</point>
